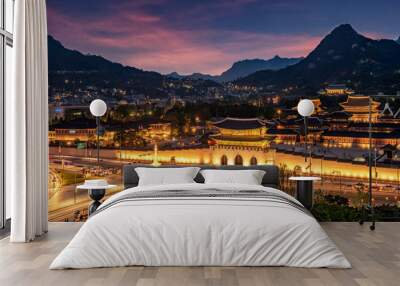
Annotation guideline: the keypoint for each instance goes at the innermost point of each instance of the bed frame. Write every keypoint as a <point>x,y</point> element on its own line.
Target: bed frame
<point>271,177</point>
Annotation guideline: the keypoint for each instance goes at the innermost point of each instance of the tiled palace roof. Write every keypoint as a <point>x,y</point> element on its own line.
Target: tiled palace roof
<point>240,123</point>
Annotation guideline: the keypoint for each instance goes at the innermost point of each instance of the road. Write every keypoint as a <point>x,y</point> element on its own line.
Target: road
<point>61,197</point>
<point>66,196</point>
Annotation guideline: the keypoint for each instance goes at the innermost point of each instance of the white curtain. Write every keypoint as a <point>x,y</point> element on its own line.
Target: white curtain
<point>27,123</point>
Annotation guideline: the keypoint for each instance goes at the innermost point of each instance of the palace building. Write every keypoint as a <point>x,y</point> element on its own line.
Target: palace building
<point>349,128</point>
<point>358,107</point>
<point>336,89</point>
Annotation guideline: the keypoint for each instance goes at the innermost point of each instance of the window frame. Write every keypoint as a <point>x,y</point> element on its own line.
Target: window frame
<point>6,39</point>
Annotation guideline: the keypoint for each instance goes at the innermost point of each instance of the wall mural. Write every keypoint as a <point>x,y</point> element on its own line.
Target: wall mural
<point>186,86</point>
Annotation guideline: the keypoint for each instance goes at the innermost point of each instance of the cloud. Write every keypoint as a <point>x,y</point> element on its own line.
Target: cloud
<point>188,36</point>
<point>145,41</point>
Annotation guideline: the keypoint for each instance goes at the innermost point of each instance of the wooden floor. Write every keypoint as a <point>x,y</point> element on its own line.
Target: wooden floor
<point>375,257</point>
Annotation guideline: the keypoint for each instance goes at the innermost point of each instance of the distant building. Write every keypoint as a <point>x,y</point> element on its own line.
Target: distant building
<point>157,131</point>
<point>283,135</point>
<point>71,132</point>
<point>60,112</point>
<point>389,115</point>
<point>336,89</point>
<point>317,106</point>
<point>358,107</point>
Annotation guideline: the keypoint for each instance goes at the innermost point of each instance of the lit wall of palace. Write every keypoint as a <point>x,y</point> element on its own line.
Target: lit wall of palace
<point>352,142</point>
<point>215,156</point>
<point>177,156</point>
<point>207,156</point>
<point>329,167</point>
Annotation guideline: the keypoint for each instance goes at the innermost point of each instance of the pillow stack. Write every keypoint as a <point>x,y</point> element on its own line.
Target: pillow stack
<point>166,176</point>
<point>248,177</point>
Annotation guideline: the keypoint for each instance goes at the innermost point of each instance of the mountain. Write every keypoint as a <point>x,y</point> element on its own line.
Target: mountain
<point>246,67</point>
<point>63,59</point>
<point>195,76</point>
<point>175,75</point>
<point>201,76</point>
<point>342,56</point>
<point>80,78</point>
<point>95,68</point>
<point>398,40</point>
<point>242,68</point>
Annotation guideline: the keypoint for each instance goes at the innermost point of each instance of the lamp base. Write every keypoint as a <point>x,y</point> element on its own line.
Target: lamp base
<point>96,195</point>
<point>305,193</point>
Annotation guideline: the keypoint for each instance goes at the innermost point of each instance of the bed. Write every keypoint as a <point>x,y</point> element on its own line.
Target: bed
<point>197,224</point>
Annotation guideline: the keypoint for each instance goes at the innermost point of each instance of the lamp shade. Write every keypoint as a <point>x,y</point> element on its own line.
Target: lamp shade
<point>98,107</point>
<point>305,107</point>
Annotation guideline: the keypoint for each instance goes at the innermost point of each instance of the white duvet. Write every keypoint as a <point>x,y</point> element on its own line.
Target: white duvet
<point>202,232</point>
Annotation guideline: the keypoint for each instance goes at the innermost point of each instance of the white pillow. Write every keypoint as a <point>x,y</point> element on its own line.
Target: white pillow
<point>248,177</point>
<point>166,176</point>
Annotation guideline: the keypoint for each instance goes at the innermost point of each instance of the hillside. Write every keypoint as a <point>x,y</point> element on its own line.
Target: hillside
<point>342,56</point>
<point>241,69</point>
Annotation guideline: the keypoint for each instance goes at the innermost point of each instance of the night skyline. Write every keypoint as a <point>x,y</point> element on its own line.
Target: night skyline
<point>207,37</point>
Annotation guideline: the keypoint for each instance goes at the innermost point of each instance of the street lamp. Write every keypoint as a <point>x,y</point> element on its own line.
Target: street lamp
<point>305,108</point>
<point>98,108</point>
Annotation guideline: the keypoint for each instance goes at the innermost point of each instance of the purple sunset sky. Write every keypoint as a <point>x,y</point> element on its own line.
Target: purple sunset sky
<point>208,36</point>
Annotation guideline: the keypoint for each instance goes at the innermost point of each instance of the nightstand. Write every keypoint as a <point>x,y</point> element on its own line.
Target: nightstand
<point>304,192</point>
<point>96,190</point>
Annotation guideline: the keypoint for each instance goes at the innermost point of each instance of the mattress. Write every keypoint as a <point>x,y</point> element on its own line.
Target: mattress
<point>201,225</point>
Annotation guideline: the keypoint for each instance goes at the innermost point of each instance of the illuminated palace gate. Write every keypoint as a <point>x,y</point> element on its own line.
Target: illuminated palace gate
<point>236,142</point>
<point>240,142</point>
